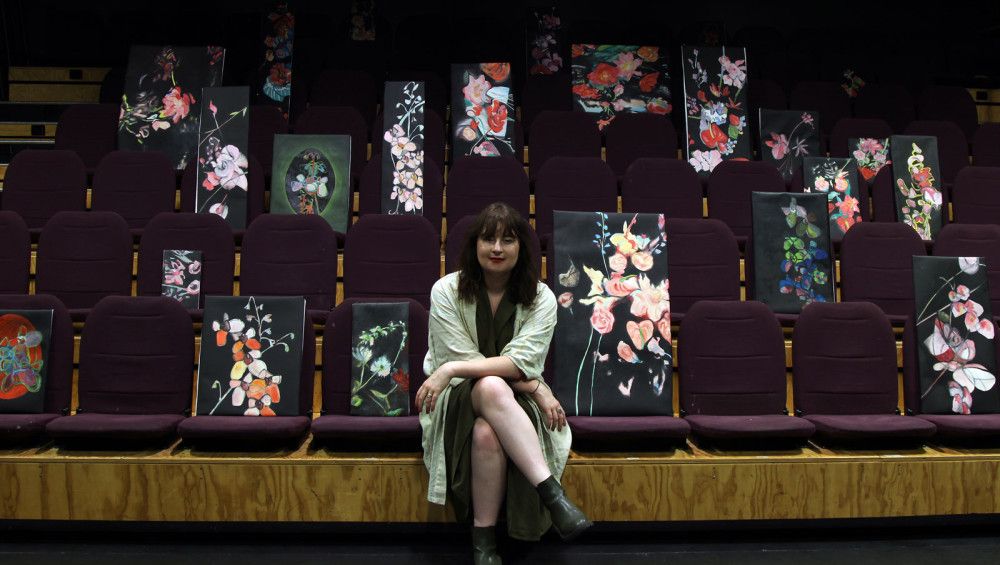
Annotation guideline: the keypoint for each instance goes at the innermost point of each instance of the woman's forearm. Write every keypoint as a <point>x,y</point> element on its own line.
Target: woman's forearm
<point>500,366</point>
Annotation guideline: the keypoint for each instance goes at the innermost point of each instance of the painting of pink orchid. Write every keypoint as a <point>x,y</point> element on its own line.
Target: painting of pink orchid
<point>403,148</point>
<point>787,137</point>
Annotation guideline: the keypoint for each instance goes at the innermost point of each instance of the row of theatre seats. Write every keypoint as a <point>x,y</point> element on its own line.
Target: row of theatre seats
<point>134,385</point>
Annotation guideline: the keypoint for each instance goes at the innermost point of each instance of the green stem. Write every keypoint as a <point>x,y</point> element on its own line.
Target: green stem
<point>593,369</point>
<point>586,352</point>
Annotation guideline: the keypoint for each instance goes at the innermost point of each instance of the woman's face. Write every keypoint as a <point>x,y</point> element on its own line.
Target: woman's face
<point>497,253</point>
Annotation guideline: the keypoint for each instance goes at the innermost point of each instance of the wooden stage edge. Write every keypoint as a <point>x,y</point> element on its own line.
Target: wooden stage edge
<point>316,485</point>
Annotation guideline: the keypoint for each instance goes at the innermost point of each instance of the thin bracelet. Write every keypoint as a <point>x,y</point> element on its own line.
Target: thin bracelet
<point>538,384</point>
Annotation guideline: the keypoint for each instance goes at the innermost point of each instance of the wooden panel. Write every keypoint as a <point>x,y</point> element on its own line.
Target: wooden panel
<point>56,74</point>
<point>55,92</point>
<point>24,129</point>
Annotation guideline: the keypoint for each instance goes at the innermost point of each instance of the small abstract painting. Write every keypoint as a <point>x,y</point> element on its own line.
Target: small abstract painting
<point>403,148</point>
<point>363,20</point>
<point>276,66</point>
<point>786,137</point>
<point>223,145</point>
<point>251,356</point>
<point>613,353</point>
<point>311,174</point>
<point>871,154</point>
<point>611,79</point>
<point>482,110</point>
<point>792,265</point>
<point>956,354</point>
<point>25,336</point>
<point>162,99</point>
<point>919,200</point>
<point>182,276</point>
<point>838,179</point>
<point>715,95</point>
<point>546,38</point>
<point>380,373</point>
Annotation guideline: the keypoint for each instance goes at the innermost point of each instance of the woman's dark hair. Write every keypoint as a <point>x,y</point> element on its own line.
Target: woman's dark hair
<point>523,284</point>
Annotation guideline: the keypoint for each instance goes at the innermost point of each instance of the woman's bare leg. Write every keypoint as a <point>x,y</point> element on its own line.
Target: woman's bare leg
<point>489,474</point>
<point>493,401</point>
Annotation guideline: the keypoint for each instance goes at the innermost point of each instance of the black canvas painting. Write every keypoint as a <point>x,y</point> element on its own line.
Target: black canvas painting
<point>918,192</point>
<point>223,146</point>
<point>24,357</point>
<point>715,94</point>
<point>612,341</point>
<point>482,110</point>
<point>786,137</point>
<point>311,174</point>
<point>182,276</point>
<point>276,66</point>
<point>251,356</point>
<point>380,373</point>
<point>403,148</point>
<point>837,178</point>
<point>162,99</point>
<point>363,20</point>
<point>791,250</point>
<point>955,349</point>
<point>611,79</point>
<point>546,39</point>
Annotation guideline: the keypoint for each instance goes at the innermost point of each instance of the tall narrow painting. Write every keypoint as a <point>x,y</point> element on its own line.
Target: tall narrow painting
<point>403,148</point>
<point>363,20</point>
<point>611,79</point>
<point>182,270</point>
<point>380,372</point>
<point>919,200</point>
<point>546,39</point>
<point>162,99</point>
<point>251,356</point>
<point>837,178</point>
<point>276,65</point>
<point>223,145</point>
<point>311,174</point>
<point>956,355</point>
<point>482,110</point>
<point>612,343</point>
<point>715,94</point>
<point>792,265</point>
<point>25,336</point>
<point>871,154</point>
<point>788,136</point>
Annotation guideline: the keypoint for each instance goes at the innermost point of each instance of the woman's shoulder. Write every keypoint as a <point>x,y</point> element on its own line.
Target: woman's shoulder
<point>446,285</point>
<point>545,297</point>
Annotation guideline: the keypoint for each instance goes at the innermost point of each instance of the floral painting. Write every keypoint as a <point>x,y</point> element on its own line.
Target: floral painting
<point>162,99</point>
<point>182,276</point>
<point>363,20</point>
<point>715,94</point>
<point>482,110</point>
<point>792,265</point>
<point>24,350</point>
<point>380,371</point>
<point>613,353</point>
<point>251,356</point>
<point>919,200</point>
<point>838,179</point>
<point>954,323</point>
<point>611,79</point>
<point>788,136</point>
<point>546,41</point>
<point>311,174</point>
<point>852,84</point>
<point>223,142</point>
<point>403,148</point>
<point>276,66</point>
<point>871,154</point>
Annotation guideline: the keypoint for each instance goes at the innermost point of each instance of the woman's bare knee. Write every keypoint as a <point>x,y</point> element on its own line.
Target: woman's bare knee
<point>484,438</point>
<point>491,391</point>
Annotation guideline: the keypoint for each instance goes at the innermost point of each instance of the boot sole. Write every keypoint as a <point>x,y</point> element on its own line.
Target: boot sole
<point>575,532</point>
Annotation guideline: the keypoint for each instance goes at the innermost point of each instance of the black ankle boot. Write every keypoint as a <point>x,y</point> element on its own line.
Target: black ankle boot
<point>484,546</point>
<point>568,520</point>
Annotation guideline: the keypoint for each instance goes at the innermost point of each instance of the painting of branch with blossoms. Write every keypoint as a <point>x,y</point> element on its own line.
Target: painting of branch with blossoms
<point>837,178</point>
<point>954,324</point>
<point>871,154</point>
<point>613,353</point>
<point>223,142</point>
<point>786,137</point>
<point>311,174</point>
<point>403,148</point>
<point>482,110</point>
<point>251,356</point>
<point>918,197</point>
<point>182,277</point>
<point>715,97</point>
<point>276,66</point>
<point>546,38</point>
<point>611,79</point>
<point>792,265</point>
<point>161,103</point>
<point>380,372</point>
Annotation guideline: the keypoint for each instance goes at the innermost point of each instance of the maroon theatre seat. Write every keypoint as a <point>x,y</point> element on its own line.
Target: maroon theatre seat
<point>952,103</point>
<point>457,233</point>
<point>976,196</point>
<point>974,240</point>
<point>562,134</point>
<point>370,191</point>
<point>890,102</point>
<point>986,146</point>
<point>662,186</point>
<point>847,128</point>
<point>91,130</point>
<point>704,261</point>
<point>631,136</point>
<point>476,182</point>
<point>136,184</point>
<point>827,98</point>
<point>876,265</point>
<point>15,254</point>
<point>392,256</point>
<point>39,183</point>
<point>545,92</point>
<point>729,188</point>
<point>266,121</point>
<point>340,87</point>
<point>583,184</point>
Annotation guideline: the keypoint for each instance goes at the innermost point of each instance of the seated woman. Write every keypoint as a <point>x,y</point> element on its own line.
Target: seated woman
<point>485,400</point>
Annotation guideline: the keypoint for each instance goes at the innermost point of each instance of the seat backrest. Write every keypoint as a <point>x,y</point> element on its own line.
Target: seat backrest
<point>953,147</point>
<point>83,257</point>
<point>59,388</point>
<point>338,120</point>
<point>266,121</point>
<point>15,254</point>
<point>951,103</point>
<point>459,231</point>
<point>974,240</point>
<point>663,186</point>
<point>342,87</point>
<point>39,183</point>
<point>207,233</point>
<point>890,102</point>
<point>583,184</point>
<point>631,136</point>
<point>475,182</point>
<point>91,130</point>
<point>337,357</point>
<point>433,138</point>
<point>704,262</point>
<point>986,146</point>
<point>766,94</point>
<point>370,191</point>
<point>542,93</point>
<point>847,128</point>
<point>135,357</point>
<point>731,359</point>
<point>876,265</point>
<point>844,360</point>
<point>392,256</point>
<point>255,188</point>
<point>975,198</point>
<point>729,188</point>
<point>827,98</point>
<point>565,134</point>
<point>136,184</point>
